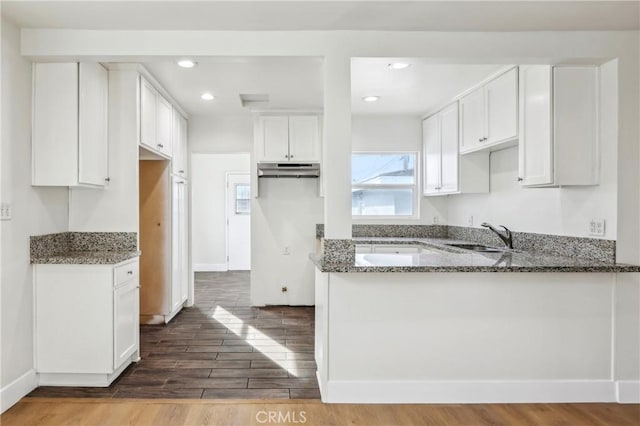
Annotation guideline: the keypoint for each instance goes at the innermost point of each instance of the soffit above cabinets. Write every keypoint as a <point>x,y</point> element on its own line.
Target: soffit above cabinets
<point>556,15</point>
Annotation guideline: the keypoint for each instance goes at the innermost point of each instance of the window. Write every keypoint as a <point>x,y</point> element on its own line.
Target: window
<point>243,198</point>
<point>383,184</point>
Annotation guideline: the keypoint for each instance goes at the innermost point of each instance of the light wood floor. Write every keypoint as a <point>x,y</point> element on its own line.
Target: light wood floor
<point>158,412</point>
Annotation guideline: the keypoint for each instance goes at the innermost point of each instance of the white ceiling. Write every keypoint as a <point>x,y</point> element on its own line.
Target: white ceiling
<point>291,83</point>
<point>297,84</point>
<point>416,90</point>
<point>421,15</point>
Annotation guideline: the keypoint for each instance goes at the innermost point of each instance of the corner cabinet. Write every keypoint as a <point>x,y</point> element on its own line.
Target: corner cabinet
<point>156,118</point>
<point>445,171</point>
<point>292,138</point>
<point>558,123</point>
<point>489,114</point>
<point>86,322</point>
<point>69,140</point>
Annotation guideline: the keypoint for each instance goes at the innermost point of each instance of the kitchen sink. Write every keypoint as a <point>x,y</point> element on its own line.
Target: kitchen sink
<point>477,247</point>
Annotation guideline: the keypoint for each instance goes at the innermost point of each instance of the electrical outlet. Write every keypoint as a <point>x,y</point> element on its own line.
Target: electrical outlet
<point>5,211</point>
<point>470,221</point>
<point>596,227</point>
<point>435,220</point>
<point>286,251</point>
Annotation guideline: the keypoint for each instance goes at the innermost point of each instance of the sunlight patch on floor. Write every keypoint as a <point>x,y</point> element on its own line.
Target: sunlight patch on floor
<point>268,347</point>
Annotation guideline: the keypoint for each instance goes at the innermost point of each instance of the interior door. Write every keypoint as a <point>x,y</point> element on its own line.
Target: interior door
<point>238,222</point>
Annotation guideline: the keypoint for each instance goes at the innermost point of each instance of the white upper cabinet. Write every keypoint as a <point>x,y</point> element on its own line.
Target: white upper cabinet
<point>445,171</point>
<point>472,120</point>
<point>294,138</point>
<point>304,138</point>
<point>558,126</point>
<point>432,154</point>
<point>449,149</point>
<point>274,139</point>
<point>180,148</point>
<point>489,114</point>
<point>156,120</point>
<point>70,140</point>
<point>501,97</point>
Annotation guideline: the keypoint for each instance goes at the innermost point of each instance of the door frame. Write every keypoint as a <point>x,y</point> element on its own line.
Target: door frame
<point>226,210</point>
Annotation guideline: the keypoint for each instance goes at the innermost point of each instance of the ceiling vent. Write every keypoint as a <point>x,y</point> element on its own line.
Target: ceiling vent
<point>254,101</point>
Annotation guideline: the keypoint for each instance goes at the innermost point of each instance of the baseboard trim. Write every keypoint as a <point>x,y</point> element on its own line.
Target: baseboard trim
<point>628,391</point>
<point>17,389</point>
<point>459,392</point>
<point>210,267</point>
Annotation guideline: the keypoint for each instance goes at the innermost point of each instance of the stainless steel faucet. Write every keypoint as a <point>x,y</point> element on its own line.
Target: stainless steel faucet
<point>504,236</point>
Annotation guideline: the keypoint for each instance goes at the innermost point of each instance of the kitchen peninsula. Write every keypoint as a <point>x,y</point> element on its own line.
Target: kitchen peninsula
<point>428,323</point>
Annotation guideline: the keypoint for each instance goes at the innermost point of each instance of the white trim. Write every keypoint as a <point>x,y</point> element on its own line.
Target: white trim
<point>210,267</point>
<point>469,392</point>
<point>17,389</point>
<point>628,391</point>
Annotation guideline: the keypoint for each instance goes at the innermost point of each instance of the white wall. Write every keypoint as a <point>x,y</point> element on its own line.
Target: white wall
<point>560,211</point>
<point>221,133</point>
<point>401,133</point>
<point>208,186</point>
<point>285,215</point>
<point>36,211</point>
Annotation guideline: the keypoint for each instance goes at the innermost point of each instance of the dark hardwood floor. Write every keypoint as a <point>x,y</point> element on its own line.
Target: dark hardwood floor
<point>219,348</point>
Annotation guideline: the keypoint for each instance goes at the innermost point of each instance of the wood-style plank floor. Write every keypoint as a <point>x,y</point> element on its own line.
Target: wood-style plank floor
<point>114,412</point>
<point>219,348</point>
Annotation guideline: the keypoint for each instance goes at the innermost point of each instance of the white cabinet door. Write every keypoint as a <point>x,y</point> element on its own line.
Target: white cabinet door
<point>432,154</point>
<point>449,149</point>
<point>178,235</point>
<point>125,327</point>
<point>536,144</point>
<point>304,141</point>
<point>55,124</point>
<point>472,116</point>
<point>502,108</point>
<point>275,139</point>
<point>148,101</point>
<point>164,121</point>
<point>179,157</point>
<point>93,142</point>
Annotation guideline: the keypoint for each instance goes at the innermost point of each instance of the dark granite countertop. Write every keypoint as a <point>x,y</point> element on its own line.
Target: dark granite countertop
<point>84,248</point>
<point>86,257</point>
<point>436,257</point>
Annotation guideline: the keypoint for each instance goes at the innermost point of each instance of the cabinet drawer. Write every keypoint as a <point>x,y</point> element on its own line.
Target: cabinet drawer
<point>126,273</point>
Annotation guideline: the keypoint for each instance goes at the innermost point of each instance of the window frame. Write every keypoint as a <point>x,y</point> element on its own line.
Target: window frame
<point>235,199</point>
<point>415,187</point>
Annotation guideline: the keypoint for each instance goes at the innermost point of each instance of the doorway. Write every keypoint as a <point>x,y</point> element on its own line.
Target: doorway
<point>238,208</point>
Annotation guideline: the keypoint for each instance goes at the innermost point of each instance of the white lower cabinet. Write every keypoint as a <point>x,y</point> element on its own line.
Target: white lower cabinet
<point>86,322</point>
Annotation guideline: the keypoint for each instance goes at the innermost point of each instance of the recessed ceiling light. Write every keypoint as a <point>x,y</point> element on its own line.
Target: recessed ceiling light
<point>371,98</point>
<point>186,63</point>
<point>399,65</point>
<point>207,96</point>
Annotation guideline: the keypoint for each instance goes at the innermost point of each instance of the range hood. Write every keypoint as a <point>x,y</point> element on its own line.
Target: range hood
<point>288,170</point>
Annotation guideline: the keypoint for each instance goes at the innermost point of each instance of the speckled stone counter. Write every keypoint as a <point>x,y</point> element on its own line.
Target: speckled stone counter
<point>437,257</point>
<point>84,248</point>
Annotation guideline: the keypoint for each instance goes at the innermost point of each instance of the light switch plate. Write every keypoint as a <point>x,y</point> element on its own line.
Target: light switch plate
<point>5,211</point>
<point>596,227</point>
